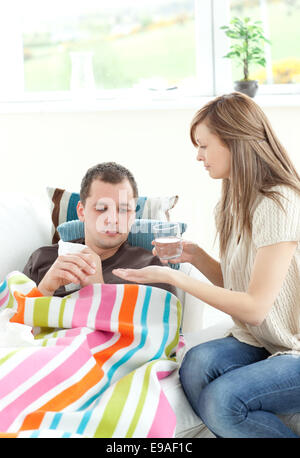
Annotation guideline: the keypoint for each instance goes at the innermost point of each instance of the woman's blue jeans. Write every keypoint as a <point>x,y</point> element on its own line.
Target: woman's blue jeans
<point>237,390</point>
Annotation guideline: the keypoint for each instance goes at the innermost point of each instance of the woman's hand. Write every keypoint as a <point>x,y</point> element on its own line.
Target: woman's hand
<point>189,252</point>
<point>150,274</point>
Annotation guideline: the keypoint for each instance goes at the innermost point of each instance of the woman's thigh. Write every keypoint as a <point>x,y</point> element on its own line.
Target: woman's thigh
<point>208,361</point>
<point>245,402</point>
<point>272,384</point>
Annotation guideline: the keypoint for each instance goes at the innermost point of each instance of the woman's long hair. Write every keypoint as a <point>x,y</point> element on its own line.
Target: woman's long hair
<point>258,161</point>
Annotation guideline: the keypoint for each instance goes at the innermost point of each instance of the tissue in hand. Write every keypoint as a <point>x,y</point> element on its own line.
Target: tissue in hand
<point>70,248</point>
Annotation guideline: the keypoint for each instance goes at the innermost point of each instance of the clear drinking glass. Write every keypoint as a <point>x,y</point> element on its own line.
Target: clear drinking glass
<point>168,243</point>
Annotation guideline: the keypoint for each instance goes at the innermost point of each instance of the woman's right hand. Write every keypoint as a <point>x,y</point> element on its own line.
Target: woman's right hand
<point>189,251</point>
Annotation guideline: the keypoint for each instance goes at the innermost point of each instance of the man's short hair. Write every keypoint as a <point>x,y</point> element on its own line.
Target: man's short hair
<point>109,172</point>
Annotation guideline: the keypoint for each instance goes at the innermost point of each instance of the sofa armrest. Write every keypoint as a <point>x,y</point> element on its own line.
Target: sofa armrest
<point>196,313</point>
<point>216,331</point>
<point>193,308</point>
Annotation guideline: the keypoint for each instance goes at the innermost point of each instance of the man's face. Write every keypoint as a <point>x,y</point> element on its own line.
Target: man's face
<point>108,214</point>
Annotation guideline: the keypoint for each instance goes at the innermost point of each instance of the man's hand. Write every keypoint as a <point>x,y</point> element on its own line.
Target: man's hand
<point>71,268</point>
<point>97,277</point>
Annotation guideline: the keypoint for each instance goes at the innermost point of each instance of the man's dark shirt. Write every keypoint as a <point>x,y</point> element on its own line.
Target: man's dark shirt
<point>127,256</point>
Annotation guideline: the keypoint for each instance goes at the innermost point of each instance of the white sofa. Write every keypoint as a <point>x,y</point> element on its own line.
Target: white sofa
<point>25,225</point>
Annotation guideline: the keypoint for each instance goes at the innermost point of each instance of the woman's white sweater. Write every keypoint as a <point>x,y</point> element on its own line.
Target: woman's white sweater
<point>280,331</point>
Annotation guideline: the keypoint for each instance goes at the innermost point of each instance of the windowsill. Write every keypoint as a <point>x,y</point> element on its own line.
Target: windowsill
<point>167,100</point>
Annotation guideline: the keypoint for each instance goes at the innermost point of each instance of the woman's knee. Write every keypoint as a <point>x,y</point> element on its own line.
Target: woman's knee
<point>220,408</point>
<point>198,365</point>
<point>192,373</point>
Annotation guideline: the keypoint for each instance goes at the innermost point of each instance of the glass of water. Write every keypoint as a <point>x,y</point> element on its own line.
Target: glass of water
<point>167,238</point>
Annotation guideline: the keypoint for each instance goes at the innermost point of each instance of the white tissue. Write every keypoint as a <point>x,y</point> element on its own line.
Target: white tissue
<point>14,334</point>
<point>69,248</point>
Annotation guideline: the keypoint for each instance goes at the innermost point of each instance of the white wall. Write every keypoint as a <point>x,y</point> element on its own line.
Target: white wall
<point>40,149</point>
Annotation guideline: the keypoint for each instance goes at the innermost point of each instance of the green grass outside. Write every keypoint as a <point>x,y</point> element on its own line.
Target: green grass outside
<point>168,52</point>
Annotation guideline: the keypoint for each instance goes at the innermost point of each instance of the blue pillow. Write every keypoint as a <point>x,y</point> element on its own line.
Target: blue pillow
<point>71,230</point>
<point>141,233</point>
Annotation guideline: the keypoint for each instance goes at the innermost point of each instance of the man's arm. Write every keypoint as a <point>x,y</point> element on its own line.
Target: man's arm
<point>40,262</point>
<point>51,272</point>
<point>28,270</point>
<point>69,268</point>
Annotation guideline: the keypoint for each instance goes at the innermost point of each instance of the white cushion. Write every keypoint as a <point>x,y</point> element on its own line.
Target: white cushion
<point>25,225</point>
<point>193,308</point>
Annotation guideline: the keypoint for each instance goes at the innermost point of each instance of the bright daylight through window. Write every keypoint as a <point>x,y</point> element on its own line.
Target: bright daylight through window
<point>170,45</point>
<point>280,20</point>
<point>126,43</point>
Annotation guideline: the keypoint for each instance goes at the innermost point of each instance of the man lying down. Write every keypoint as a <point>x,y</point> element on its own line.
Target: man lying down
<point>107,207</point>
<point>93,367</point>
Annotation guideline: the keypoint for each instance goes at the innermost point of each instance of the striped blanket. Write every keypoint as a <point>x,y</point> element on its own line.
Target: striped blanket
<point>94,365</point>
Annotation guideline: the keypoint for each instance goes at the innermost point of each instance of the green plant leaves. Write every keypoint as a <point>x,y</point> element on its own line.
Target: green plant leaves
<point>250,42</point>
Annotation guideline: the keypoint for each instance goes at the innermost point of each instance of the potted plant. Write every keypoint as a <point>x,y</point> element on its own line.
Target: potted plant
<point>248,49</point>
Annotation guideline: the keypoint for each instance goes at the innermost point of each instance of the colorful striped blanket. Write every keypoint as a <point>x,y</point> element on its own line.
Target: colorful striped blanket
<point>94,366</point>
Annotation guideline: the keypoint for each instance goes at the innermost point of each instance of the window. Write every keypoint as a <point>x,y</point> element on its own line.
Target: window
<point>69,46</point>
<point>280,20</point>
<point>108,45</point>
